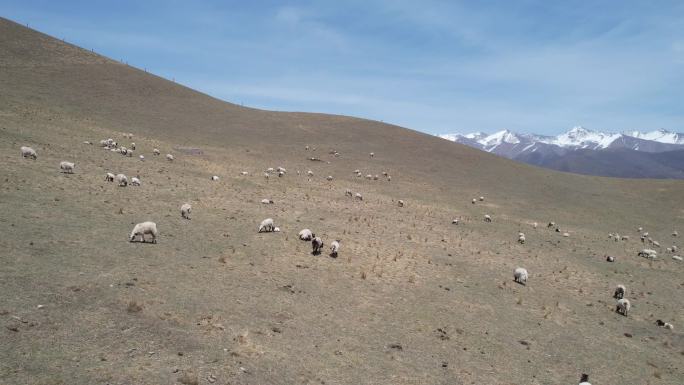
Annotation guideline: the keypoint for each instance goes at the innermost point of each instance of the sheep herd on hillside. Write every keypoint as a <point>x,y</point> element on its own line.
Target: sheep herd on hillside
<point>520,275</point>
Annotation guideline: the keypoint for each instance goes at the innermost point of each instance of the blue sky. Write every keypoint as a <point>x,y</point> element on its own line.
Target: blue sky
<point>436,66</point>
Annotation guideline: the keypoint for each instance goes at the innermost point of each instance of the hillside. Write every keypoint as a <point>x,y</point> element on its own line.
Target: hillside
<point>411,299</point>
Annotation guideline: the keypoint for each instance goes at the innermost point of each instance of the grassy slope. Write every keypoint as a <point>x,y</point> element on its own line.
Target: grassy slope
<point>228,298</point>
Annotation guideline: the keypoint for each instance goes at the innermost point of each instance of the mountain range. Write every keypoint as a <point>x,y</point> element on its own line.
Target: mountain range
<point>629,154</point>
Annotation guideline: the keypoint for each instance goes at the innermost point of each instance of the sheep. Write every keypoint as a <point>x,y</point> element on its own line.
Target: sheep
<point>481,199</point>
<point>169,157</point>
<point>357,171</point>
<point>266,201</point>
<point>674,248</point>
<point>244,173</point>
<point>619,292</point>
<point>307,148</point>
<point>142,229</point>
<point>640,229</point>
<point>28,152</point>
<point>584,379</point>
<point>270,170</point>
<point>520,275</point>
<point>122,180</point>
<point>276,229</point>
<point>281,169</point>
<point>623,306</point>
<point>400,203</point>
<point>316,245</point>
<point>156,152</point>
<point>142,157</point>
<point>389,178</point>
<point>348,193</point>
<point>610,258</point>
<point>487,218</point>
<point>473,201</point>
<point>372,154</point>
<point>358,196</point>
<point>666,325</point>
<point>214,178</point>
<point>624,238</point>
<point>309,173</point>
<point>129,153</point>
<point>454,221</point>
<point>648,253</point>
<point>369,176</point>
<point>675,233</point>
<point>656,244</point>
<point>334,248</point>
<point>132,146</point>
<point>566,235</point>
<point>306,235</point>
<point>109,177</point>
<point>521,238</point>
<point>186,208</point>
<point>329,178</point>
<point>551,224</point>
<point>280,174</point>
<point>87,142</point>
<point>534,225</point>
<point>677,258</point>
<point>266,225</point>
<point>375,177</point>
<point>67,167</point>
<point>135,181</point>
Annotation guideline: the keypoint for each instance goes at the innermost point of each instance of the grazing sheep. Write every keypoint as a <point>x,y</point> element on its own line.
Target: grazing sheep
<point>129,153</point>
<point>624,238</point>
<point>454,222</point>
<point>675,233</point>
<point>316,245</point>
<point>668,326</point>
<point>656,244</point>
<point>28,152</point>
<point>677,258</point>
<point>623,306</point>
<point>142,157</point>
<point>214,177</point>
<point>648,253</point>
<point>281,169</point>
<point>156,152</point>
<point>266,201</point>
<point>348,193</point>
<point>640,229</point>
<point>521,238</point>
<point>372,154</point>
<point>473,201</point>
<point>674,248</point>
<point>376,177</point>
<point>307,148</point>
<point>266,225</point>
<point>487,218</point>
<point>334,248</point>
<point>389,178</point>
<point>551,224</point>
<point>87,142</point>
<point>309,173</point>
<point>534,225</point>
<point>520,275</point>
<point>121,180</point>
<point>169,157</point>
<point>142,229</point>
<point>109,177</point>
<point>67,167</point>
<point>610,258</point>
<point>619,292</point>
<point>132,146</point>
<point>369,176</point>
<point>276,229</point>
<point>306,235</point>
<point>400,203</point>
<point>280,174</point>
<point>186,208</point>
<point>329,178</point>
<point>481,199</point>
<point>135,181</point>
<point>566,234</point>
<point>584,379</point>
<point>244,173</point>
<point>358,196</point>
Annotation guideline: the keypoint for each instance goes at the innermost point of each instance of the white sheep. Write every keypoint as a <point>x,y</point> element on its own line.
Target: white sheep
<point>309,173</point>
<point>329,178</point>
<point>135,181</point>
<point>400,203</point>
<point>266,201</point>
<point>282,169</point>
<point>454,221</point>
<point>109,177</point>
<point>619,292</point>
<point>623,306</point>
<point>372,154</point>
<point>624,238</point>
<point>334,248</point>
<point>348,193</point>
<point>67,167</point>
<point>487,218</point>
<point>369,176</point>
<point>358,196</point>
<point>551,224</point>
<point>389,178</point>
<point>122,180</point>
<point>675,233</point>
<point>375,177</point>
<point>520,275</point>
<point>357,171</point>
<point>648,253</point>
<point>214,178</point>
<point>481,199</point>
<point>186,208</point>
<point>566,235</point>
<point>677,258</point>
<point>521,238</point>
<point>266,225</point>
<point>87,142</point>
<point>473,201</point>
<point>610,258</point>
<point>142,157</point>
<point>276,229</point>
<point>306,235</point>
<point>534,225</point>
<point>281,174</point>
<point>132,146</point>
<point>142,229</point>
<point>316,245</point>
<point>169,157</point>
<point>244,173</point>
<point>674,248</point>
<point>156,152</point>
<point>28,152</point>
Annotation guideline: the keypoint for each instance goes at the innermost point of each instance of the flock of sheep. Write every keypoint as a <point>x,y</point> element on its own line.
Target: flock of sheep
<point>520,274</point>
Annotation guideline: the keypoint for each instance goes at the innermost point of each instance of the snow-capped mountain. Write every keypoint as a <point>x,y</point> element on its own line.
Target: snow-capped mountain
<point>578,143</point>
